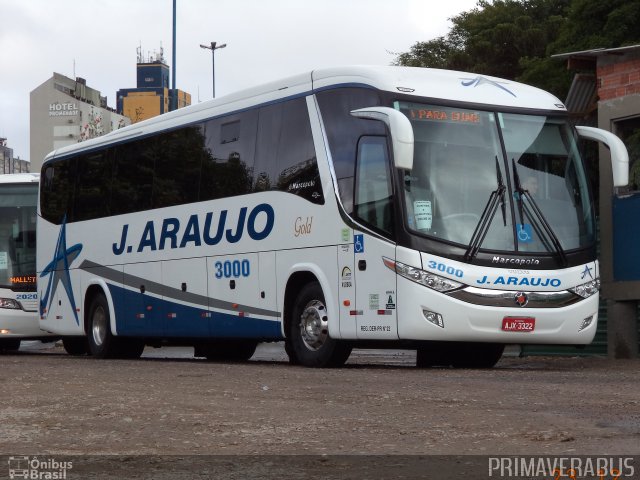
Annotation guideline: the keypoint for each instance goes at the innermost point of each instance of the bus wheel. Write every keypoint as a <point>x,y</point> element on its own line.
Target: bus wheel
<point>9,344</point>
<point>309,331</point>
<point>477,355</point>
<point>102,344</point>
<point>75,345</point>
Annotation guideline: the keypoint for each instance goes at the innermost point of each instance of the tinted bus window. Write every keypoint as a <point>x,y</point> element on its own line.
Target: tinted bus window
<point>297,166</point>
<point>93,186</point>
<point>58,182</point>
<point>178,157</point>
<point>133,176</point>
<point>230,149</point>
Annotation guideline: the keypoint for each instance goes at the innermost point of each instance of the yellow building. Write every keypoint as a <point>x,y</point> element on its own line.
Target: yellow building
<point>152,96</point>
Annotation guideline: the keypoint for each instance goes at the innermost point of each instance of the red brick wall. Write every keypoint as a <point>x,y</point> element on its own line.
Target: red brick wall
<point>618,79</point>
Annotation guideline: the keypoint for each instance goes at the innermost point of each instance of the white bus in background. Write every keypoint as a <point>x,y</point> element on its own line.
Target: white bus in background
<point>360,206</point>
<point>18,296</point>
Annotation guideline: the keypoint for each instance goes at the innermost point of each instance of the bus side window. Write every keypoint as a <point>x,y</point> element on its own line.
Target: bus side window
<point>285,153</point>
<point>57,190</point>
<point>297,164</point>
<point>93,186</point>
<point>373,192</point>
<point>178,158</point>
<point>230,150</point>
<point>269,128</point>
<point>133,177</point>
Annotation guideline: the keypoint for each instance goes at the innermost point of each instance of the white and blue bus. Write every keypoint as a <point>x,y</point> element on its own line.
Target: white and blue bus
<point>441,211</point>
<point>18,296</point>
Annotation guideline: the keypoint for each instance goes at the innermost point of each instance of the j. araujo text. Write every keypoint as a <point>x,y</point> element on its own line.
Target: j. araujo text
<point>172,235</point>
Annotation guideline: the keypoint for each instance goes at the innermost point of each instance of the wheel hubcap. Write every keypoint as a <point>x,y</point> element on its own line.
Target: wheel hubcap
<point>99,326</point>
<point>313,325</point>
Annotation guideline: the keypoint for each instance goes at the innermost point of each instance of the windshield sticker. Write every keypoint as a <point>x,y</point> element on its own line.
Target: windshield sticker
<point>423,213</point>
<point>525,233</point>
<point>3,261</point>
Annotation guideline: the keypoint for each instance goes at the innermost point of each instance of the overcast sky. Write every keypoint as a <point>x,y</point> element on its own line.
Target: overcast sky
<point>266,40</point>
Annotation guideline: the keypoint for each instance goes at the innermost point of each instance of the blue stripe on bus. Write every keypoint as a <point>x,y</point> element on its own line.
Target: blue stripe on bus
<point>138,314</point>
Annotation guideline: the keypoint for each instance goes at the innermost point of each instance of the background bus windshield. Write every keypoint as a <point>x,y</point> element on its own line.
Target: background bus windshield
<point>18,235</point>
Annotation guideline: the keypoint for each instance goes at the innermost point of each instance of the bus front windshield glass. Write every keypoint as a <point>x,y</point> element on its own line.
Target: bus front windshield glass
<point>18,235</point>
<point>461,178</point>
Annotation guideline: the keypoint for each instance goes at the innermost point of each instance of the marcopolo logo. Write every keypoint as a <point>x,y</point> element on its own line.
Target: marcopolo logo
<point>38,469</point>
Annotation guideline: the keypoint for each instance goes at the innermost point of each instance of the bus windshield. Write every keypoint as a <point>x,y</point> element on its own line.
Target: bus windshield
<point>18,236</point>
<point>460,167</point>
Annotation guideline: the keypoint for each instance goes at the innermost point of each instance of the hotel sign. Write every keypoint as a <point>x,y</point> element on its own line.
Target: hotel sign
<point>63,109</point>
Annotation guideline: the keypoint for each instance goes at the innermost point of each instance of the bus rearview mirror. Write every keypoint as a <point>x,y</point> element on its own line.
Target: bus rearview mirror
<point>401,132</point>
<point>619,154</point>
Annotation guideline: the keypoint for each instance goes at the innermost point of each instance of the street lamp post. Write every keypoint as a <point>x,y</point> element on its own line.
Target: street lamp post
<point>213,47</point>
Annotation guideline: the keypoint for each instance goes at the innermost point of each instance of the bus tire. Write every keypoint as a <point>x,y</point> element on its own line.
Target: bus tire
<point>477,355</point>
<point>290,351</point>
<point>75,346</point>
<point>228,350</point>
<point>102,343</point>
<point>309,332</point>
<point>9,344</point>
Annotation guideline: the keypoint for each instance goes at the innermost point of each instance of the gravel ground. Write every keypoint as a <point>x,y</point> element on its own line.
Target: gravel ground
<point>379,404</point>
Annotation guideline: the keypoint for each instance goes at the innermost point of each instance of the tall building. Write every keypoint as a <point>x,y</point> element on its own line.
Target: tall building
<point>65,111</point>
<point>152,95</point>
<point>9,163</point>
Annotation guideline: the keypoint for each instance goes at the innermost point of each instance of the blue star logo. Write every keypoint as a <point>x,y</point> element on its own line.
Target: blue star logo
<point>586,271</point>
<point>58,271</point>
<point>480,80</point>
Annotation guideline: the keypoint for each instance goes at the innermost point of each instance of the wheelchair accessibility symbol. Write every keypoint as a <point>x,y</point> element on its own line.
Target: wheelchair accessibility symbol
<point>525,233</point>
<point>358,243</point>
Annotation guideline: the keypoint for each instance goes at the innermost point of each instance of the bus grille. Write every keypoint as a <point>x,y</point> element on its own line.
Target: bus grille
<point>29,305</point>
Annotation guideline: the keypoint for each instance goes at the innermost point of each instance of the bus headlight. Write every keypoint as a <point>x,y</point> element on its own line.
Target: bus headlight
<point>428,279</point>
<point>587,289</point>
<point>10,303</point>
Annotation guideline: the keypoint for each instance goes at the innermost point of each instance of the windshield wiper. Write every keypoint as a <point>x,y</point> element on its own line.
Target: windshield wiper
<point>532,207</point>
<point>482,228</point>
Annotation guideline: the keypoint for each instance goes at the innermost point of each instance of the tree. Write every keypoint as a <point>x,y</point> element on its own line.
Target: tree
<point>599,24</point>
<point>504,38</point>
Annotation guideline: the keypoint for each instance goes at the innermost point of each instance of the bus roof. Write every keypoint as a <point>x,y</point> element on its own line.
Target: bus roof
<point>20,178</point>
<point>421,82</point>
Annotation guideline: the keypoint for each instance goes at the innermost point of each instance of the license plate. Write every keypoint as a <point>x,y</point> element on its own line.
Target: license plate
<point>518,324</point>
